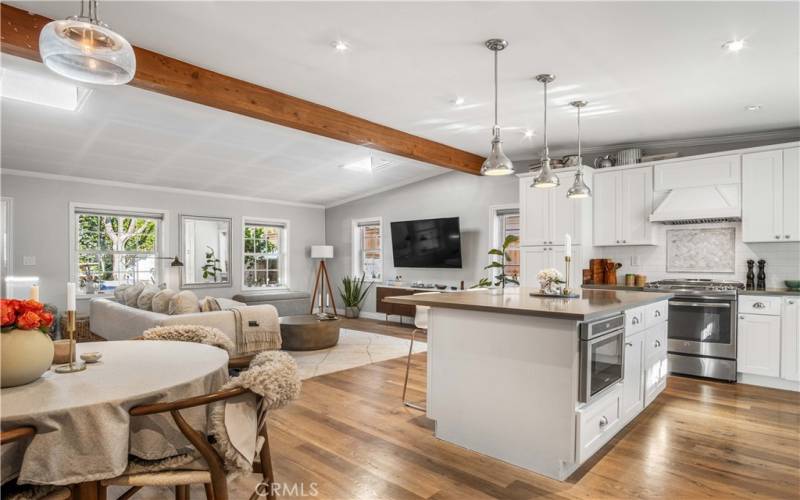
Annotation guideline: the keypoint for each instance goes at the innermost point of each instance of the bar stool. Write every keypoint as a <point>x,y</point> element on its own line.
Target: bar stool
<point>420,324</point>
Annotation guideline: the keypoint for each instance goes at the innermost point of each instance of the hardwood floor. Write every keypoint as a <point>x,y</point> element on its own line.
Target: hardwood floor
<point>349,437</point>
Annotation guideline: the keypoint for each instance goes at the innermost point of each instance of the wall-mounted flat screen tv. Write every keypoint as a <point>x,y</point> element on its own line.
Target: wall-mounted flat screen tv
<point>432,243</point>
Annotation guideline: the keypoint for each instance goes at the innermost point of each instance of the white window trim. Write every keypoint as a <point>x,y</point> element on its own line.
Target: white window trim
<point>284,253</point>
<point>163,239</point>
<point>355,246</point>
<point>9,232</point>
<point>497,239</point>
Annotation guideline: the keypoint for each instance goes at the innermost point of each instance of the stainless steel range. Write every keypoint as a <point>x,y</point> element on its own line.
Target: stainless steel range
<point>702,326</point>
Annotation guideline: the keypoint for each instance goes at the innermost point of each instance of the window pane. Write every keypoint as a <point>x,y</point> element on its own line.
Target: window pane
<point>249,246</point>
<point>263,249</point>
<point>261,246</point>
<point>249,262</point>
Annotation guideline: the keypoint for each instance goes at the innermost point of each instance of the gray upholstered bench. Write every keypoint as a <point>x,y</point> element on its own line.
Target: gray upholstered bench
<point>287,303</point>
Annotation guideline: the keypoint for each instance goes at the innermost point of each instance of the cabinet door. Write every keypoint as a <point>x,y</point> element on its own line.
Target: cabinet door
<point>533,260</point>
<point>565,213</point>
<point>557,261</point>
<point>791,194</point>
<point>633,384</point>
<point>636,199</point>
<point>605,197</point>
<point>759,345</point>
<point>790,338</point>
<point>762,196</point>
<point>534,214</point>
<point>655,364</point>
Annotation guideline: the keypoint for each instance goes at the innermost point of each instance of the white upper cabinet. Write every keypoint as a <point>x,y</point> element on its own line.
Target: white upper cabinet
<point>623,201</point>
<point>770,196</point>
<point>547,214</point>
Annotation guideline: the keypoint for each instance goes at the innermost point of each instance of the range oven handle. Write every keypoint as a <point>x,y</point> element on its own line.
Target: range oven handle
<point>725,305</point>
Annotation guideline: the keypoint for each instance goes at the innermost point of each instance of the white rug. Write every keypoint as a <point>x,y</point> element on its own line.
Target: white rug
<point>354,349</point>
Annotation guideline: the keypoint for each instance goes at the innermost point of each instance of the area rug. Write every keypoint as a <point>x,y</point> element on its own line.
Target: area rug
<point>355,348</point>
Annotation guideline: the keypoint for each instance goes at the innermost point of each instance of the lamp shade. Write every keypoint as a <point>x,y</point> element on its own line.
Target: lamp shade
<point>321,251</point>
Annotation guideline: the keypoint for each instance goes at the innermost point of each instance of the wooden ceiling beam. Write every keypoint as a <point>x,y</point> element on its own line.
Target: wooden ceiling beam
<point>19,36</point>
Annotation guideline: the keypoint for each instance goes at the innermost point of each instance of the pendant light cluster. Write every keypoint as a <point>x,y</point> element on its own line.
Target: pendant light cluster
<point>85,49</point>
<point>497,163</point>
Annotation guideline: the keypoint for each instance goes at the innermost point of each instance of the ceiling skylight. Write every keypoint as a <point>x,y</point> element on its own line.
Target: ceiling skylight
<point>45,91</point>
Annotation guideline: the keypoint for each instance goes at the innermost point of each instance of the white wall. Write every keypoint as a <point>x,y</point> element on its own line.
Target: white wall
<point>453,194</point>
<point>41,228</point>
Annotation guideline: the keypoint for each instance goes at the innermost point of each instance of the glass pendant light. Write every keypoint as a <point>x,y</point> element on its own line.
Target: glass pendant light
<point>85,49</point>
<point>579,189</point>
<point>546,177</point>
<point>497,163</point>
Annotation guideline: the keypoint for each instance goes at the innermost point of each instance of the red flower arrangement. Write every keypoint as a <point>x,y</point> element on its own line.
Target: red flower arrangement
<point>24,315</point>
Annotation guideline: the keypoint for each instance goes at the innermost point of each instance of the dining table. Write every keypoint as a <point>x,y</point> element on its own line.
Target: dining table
<point>84,430</point>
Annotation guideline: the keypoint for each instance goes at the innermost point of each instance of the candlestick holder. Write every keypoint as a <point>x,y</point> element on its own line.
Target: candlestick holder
<point>73,365</point>
<point>567,265</point>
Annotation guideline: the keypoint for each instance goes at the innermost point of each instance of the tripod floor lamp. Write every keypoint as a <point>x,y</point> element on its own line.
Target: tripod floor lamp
<point>322,252</point>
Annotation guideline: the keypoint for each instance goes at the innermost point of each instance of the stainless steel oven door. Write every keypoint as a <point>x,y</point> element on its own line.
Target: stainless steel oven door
<point>602,364</point>
<point>704,326</point>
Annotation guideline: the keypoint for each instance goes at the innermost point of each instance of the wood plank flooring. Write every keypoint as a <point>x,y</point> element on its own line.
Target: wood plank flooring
<point>349,437</point>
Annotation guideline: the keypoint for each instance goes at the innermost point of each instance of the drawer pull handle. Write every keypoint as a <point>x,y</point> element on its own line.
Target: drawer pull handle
<point>787,236</point>
<point>603,421</point>
<point>741,316</point>
<point>777,236</point>
<point>657,314</point>
<point>628,344</point>
<point>635,321</point>
<point>658,343</point>
<point>759,305</point>
<point>791,302</point>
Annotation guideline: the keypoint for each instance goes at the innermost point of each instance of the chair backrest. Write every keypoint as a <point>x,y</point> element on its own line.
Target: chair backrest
<point>421,316</point>
<point>16,434</point>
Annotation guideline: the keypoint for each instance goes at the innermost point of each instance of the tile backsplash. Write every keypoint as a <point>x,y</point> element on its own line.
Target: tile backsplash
<point>783,259</point>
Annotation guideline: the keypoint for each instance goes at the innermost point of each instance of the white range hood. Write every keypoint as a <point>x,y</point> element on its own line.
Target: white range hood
<point>698,191</point>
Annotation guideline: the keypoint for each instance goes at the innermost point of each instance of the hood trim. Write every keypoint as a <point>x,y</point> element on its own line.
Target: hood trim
<point>697,205</point>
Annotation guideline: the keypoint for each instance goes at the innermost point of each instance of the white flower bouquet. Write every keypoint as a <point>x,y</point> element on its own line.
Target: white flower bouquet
<point>550,281</point>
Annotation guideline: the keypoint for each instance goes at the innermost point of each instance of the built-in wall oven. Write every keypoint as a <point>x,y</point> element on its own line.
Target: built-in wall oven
<point>602,356</point>
<point>702,327</point>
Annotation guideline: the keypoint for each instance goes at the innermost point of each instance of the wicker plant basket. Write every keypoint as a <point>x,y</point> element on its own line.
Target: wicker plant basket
<point>82,331</point>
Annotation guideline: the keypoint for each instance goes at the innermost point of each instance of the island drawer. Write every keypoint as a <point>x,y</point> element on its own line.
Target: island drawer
<point>755,304</point>
<point>656,342</point>
<point>656,313</point>
<point>634,320</point>
<point>597,423</point>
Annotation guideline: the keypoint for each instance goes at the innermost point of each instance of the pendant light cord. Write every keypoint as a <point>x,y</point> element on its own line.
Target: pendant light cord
<point>496,126</point>
<point>580,158</point>
<point>546,148</point>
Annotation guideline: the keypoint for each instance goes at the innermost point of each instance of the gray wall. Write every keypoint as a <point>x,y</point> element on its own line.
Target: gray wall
<point>449,195</point>
<point>41,228</point>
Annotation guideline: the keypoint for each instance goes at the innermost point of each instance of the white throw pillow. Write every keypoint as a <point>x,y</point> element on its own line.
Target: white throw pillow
<point>184,302</point>
<point>131,294</point>
<point>145,300</point>
<point>161,301</point>
<point>119,293</point>
<point>209,304</point>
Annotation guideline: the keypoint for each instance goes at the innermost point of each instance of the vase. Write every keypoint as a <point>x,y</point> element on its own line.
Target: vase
<point>352,311</point>
<point>550,288</point>
<point>25,355</point>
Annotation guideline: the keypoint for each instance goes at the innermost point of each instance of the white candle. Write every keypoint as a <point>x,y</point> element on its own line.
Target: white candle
<point>71,297</point>
<point>35,292</point>
<point>567,245</point>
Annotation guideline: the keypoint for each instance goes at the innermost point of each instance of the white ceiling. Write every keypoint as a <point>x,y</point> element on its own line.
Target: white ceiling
<point>126,134</point>
<point>650,70</point>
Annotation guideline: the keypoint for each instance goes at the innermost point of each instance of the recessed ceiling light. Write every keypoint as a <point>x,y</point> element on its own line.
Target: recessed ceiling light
<point>753,107</point>
<point>733,45</point>
<point>529,133</point>
<point>458,101</point>
<point>45,91</point>
<point>340,45</point>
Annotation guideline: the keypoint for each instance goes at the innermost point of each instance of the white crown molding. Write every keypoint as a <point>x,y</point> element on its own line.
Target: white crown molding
<point>146,187</point>
<point>389,187</point>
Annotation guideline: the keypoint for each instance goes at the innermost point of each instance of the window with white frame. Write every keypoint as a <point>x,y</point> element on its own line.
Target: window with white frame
<point>5,234</point>
<point>265,248</point>
<point>507,224</point>
<point>368,248</point>
<point>114,247</point>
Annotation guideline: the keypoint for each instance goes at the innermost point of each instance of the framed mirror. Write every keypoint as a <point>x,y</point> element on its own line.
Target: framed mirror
<point>205,251</point>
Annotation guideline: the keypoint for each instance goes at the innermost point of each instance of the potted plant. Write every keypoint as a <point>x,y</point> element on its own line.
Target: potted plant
<point>353,293</point>
<point>211,269</point>
<point>27,350</point>
<point>501,279</point>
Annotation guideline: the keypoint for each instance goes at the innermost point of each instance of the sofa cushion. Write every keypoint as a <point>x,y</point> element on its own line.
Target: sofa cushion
<point>287,303</point>
<point>131,294</point>
<point>228,304</point>
<point>119,293</point>
<point>145,300</point>
<point>161,301</point>
<point>184,302</point>
<point>209,304</point>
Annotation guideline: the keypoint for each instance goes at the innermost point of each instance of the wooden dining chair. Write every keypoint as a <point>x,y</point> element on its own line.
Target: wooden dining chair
<point>14,490</point>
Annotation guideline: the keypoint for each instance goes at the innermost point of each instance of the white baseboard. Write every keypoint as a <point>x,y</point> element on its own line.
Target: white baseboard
<point>771,382</point>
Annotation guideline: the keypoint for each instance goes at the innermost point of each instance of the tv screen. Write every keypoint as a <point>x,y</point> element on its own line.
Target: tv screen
<point>427,243</point>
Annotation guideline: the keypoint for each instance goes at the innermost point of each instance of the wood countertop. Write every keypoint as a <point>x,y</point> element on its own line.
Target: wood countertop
<point>592,304</point>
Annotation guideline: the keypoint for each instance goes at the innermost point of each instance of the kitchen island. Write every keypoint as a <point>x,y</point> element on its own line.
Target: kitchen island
<point>522,378</point>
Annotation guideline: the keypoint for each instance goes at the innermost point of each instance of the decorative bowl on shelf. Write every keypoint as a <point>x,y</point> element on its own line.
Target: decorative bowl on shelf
<point>792,284</point>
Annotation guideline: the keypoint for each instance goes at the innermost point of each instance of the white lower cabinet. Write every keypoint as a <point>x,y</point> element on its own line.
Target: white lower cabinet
<point>534,259</point>
<point>790,339</point>
<point>597,423</point>
<point>759,345</point>
<point>633,384</point>
<point>655,362</point>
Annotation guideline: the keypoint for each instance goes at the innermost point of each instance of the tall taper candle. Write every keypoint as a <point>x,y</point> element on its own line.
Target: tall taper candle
<point>71,297</point>
<point>567,245</point>
<point>35,292</point>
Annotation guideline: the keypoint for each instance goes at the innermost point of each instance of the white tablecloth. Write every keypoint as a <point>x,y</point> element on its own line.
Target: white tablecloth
<point>84,431</point>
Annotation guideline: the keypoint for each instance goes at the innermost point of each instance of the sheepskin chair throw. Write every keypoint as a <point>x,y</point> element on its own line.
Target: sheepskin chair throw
<point>272,375</point>
<point>191,333</point>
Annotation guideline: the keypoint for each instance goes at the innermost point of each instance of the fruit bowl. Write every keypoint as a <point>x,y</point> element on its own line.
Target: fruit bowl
<point>793,284</point>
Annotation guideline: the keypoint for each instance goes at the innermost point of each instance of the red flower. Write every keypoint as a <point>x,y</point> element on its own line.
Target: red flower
<point>29,321</point>
<point>8,314</point>
<point>46,319</point>
<point>30,305</point>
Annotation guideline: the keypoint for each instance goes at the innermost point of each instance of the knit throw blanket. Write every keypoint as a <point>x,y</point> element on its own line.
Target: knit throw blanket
<point>257,328</point>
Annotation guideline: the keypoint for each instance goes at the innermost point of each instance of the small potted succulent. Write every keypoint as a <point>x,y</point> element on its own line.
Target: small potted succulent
<point>27,350</point>
<point>353,293</point>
